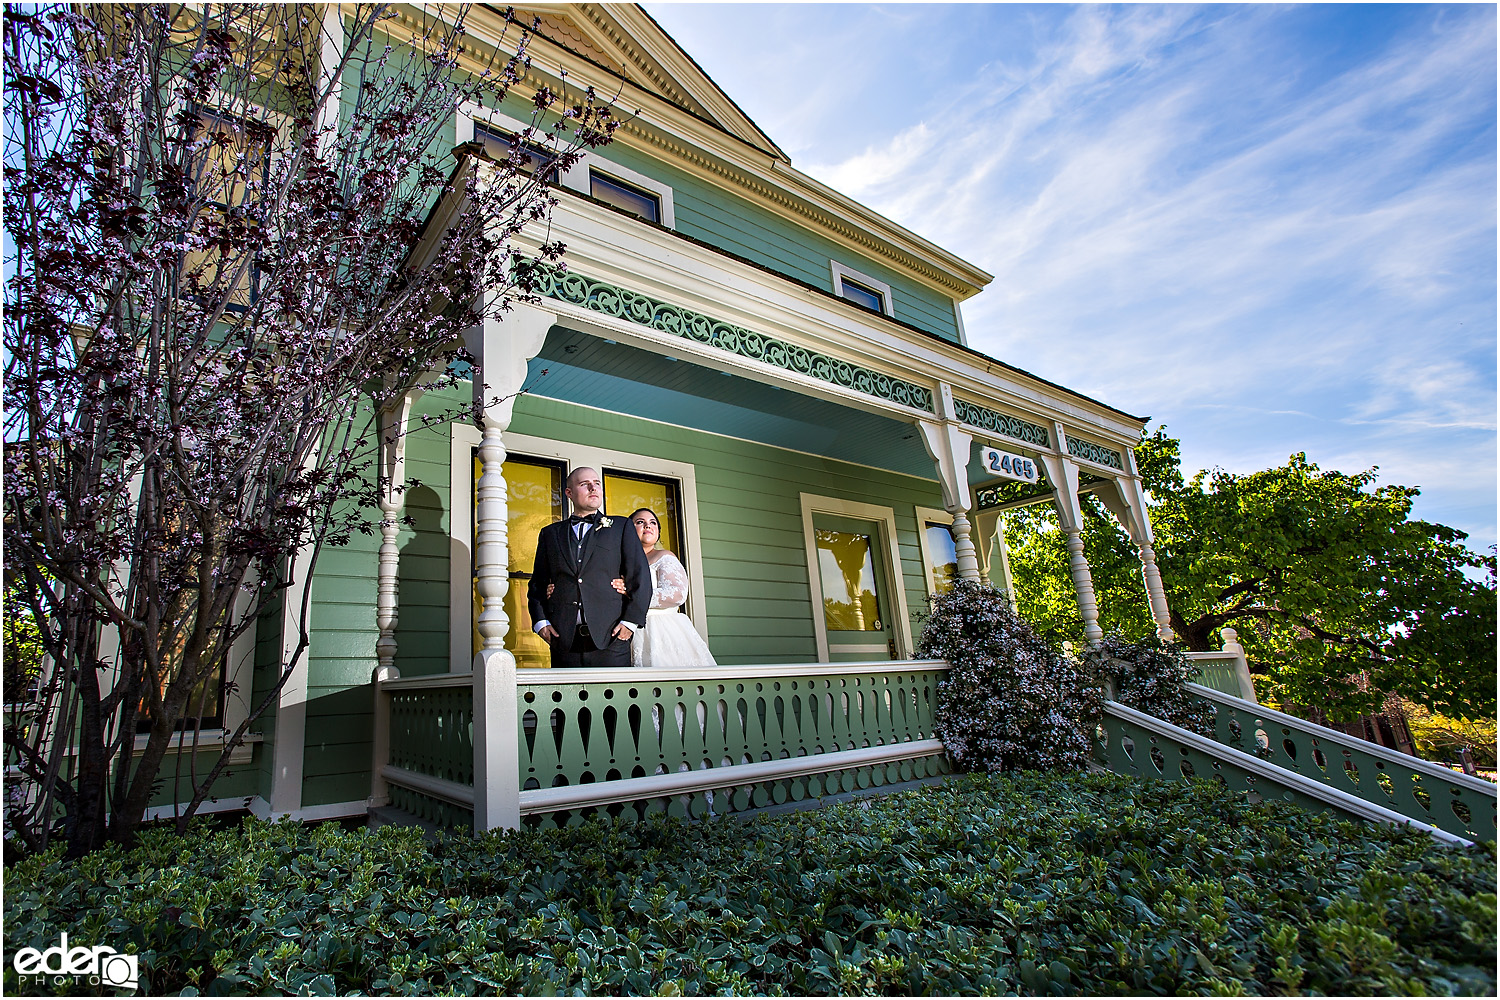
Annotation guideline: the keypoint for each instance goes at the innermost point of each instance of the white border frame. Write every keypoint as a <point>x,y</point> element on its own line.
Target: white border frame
<point>576,177</point>
<point>886,518</point>
<point>465,438</point>
<point>842,271</point>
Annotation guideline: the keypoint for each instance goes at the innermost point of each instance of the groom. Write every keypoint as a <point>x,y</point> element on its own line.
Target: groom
<point>586,621</point>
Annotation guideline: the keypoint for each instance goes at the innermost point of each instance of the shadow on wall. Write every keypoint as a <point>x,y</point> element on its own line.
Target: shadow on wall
<point>422,596</point>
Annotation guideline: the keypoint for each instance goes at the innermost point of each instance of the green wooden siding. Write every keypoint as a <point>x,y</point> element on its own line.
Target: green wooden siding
<point>238,782</point>
<point>340,699</point>
<point>267,666</point>
<point>723,219</point>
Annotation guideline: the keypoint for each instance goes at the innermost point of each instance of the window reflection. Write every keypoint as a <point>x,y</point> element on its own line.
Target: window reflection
<point>846,567</point>
<point>943,555</point>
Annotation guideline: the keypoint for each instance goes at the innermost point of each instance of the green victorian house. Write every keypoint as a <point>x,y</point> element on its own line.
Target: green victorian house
<point>784,377</point>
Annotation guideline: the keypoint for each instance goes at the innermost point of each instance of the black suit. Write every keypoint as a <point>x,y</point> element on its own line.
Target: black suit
<point>583,583</point>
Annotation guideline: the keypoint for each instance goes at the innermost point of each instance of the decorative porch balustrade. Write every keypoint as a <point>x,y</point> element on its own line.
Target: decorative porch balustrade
<point>430,763</point>
<point>685,741</point>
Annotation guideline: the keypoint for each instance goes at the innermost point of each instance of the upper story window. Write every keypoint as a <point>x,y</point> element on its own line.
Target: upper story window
<point>867,297</point>
<point>625,197</point>
<point>499,145</point>
<point>232,164</point>
<point>861,289</point>
<point>590,173</point>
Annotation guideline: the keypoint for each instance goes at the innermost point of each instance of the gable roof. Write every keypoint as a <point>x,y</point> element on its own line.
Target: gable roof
<point>628,42</point>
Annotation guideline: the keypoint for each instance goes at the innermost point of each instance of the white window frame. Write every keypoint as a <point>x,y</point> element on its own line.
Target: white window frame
<point>842,271</point>
<point>466,438</point>
<point>889,551</point>
<point>576,177</point>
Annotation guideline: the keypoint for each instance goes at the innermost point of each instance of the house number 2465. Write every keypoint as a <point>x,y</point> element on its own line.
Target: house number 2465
<point>1010,466</point>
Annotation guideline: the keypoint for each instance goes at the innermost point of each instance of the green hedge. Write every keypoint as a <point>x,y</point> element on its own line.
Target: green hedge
<point>1024,883</point>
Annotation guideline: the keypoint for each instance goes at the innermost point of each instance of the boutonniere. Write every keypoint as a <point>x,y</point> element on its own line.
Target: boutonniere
<point>605,522</point>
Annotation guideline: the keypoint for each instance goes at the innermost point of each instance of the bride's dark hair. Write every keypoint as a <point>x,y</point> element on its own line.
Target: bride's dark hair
<point>648,510</point>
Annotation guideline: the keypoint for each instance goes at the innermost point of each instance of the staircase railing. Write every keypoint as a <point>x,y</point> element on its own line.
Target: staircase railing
<point>1132,742</point>
<point>1426,792</point>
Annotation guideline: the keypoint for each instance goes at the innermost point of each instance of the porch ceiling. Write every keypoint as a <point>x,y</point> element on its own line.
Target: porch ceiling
<point>587,369</point>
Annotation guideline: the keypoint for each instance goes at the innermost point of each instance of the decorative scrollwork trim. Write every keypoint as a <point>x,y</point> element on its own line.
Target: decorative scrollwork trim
<point>1079,448</point>
<point>1002,423</point>
<point>680,322</point>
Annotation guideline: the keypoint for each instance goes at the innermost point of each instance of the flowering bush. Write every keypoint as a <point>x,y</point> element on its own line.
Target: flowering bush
<point>1149,676</point>
<point>1010,701</point>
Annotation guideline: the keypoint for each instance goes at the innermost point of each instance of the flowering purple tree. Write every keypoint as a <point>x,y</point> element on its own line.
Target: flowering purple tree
<point>213,289</point>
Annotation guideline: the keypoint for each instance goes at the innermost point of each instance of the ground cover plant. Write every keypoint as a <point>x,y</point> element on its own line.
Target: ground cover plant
<point>1029,883</point>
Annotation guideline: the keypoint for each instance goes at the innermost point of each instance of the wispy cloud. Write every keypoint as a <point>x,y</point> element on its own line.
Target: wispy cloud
<point>1322,254</point>
<point>1271,227</point>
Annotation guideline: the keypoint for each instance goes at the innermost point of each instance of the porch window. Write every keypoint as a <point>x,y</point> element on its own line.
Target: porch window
<point>846,568</point>
<point>942,557</point>
<point>624,196</point>
<point>535,499</point>
<point>625,492</point>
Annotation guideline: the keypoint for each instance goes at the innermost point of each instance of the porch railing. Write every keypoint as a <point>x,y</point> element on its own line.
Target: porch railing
<point>1226,670</point>
<point>690,742</point>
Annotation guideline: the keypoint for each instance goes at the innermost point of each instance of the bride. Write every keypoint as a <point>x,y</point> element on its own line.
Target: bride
<point>669,638</point>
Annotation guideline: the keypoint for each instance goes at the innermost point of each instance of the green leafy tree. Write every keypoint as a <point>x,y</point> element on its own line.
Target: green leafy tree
<point>1335,589</point>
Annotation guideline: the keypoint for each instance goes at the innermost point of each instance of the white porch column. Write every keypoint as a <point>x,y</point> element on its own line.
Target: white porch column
<point>950,449</point>
<point>1062,473</point>
<point>393,422</point>
<point>1126,500</point>
<point>392,444</point>
<point>996,562</point>
<point>501,348</point>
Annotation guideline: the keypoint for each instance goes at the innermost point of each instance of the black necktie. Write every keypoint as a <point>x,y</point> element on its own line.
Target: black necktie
<point>592,519</point>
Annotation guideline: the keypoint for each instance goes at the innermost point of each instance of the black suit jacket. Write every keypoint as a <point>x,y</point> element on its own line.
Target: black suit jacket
<point>608,552</point>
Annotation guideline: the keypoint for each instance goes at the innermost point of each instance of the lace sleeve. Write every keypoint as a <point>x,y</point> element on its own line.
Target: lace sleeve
<point>671,582</point>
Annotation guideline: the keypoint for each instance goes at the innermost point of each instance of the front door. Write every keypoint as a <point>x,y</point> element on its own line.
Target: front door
<point>856,602</point>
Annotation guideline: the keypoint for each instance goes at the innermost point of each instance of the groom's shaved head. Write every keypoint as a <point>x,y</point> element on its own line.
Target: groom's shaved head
<point>576,474</point>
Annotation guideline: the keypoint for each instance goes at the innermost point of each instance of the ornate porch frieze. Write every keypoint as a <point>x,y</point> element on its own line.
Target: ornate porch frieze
<point>1079,448</point>
<point>1001,423</point>
<point>680,322</point>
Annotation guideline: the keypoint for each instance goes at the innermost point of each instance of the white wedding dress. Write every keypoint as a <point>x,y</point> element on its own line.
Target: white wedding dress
<point>669,638</point>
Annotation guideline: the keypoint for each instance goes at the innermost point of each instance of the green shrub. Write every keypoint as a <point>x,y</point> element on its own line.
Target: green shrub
<point>1026,883</point>
<point>1149,676</point>
<point>1009,700</point>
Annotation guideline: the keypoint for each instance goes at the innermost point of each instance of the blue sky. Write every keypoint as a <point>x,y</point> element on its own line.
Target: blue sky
<point>1270,228</point>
